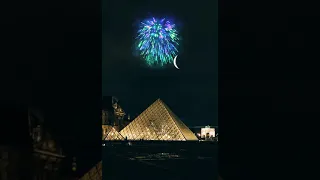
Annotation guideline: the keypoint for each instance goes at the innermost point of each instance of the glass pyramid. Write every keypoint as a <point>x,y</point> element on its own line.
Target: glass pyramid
<point>94,174</point>
<point>109,133</point>
<point>158,122</point>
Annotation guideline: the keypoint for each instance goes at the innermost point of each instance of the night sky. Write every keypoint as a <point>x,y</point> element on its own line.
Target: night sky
<point>191,91</point>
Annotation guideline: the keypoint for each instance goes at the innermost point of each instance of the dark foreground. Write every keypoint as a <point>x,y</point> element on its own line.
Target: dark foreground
<point>160,160</point>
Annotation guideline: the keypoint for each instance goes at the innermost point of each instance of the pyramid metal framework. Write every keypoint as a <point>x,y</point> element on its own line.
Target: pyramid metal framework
<point>158,122</point>
<point>109,133</point>
<point>94,173</point>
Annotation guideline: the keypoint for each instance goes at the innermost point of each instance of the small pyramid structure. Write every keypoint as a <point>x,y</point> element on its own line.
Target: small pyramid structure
<point>110,134</point>
<point>158,122</point>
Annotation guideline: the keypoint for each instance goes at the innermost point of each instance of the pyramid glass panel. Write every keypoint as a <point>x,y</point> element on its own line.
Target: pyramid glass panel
<point>109,133</point>
<point>94,174</point>
<point>187,133</point>
<point>157,122</point>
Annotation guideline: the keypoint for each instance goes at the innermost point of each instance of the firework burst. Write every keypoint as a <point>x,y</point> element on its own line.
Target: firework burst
<point>157,41</point>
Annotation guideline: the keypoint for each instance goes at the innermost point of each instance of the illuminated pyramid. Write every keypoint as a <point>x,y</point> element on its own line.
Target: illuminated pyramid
<point>109,133</point>
<point>93,174</point>
<point>158,122</point>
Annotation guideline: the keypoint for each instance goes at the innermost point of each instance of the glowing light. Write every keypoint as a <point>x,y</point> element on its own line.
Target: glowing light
<point>208,130</point>
<point>157,41</point>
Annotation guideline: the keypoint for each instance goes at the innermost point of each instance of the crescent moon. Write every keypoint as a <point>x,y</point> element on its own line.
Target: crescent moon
<point>175,62</point>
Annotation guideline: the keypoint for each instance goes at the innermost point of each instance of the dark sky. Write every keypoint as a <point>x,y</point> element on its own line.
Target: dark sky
<point>190,92</point>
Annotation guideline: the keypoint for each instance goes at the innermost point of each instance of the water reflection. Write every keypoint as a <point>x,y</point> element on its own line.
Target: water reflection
<point>156,156</point>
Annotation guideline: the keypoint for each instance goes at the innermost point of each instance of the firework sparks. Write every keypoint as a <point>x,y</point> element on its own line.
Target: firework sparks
<point>157,41</point>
